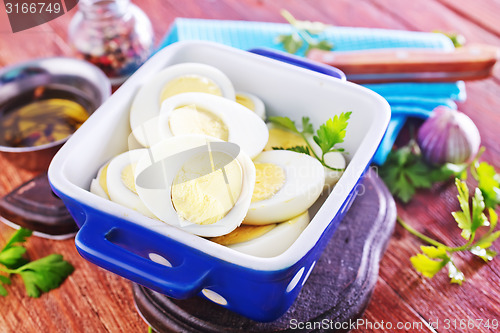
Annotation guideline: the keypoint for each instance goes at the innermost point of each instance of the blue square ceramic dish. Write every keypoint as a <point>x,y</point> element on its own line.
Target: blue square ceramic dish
<point>129,244</point>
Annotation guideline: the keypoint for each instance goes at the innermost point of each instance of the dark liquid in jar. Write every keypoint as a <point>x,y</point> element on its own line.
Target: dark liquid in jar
<point>42,115</point>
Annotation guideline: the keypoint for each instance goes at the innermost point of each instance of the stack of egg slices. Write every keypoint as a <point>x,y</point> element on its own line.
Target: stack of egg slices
<point>201,158</point>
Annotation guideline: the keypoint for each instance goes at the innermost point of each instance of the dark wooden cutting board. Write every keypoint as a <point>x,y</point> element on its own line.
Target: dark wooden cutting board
<point>338,289</point>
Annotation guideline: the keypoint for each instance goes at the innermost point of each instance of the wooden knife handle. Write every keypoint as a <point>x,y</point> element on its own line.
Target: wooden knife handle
<point>473,58</point>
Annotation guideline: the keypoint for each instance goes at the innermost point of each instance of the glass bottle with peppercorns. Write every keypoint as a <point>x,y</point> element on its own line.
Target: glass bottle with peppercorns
<point>115,35</point>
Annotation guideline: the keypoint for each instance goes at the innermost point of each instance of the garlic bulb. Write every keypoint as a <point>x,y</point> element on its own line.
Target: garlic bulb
<point>448,136</point>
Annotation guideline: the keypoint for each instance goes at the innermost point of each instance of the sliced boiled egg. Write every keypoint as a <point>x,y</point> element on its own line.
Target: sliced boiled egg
<point>200,113</point>
<point>265,240</point>
<point>173,80</point>
<point>334,160</point>
<point>120,181</point>
<point>287,184</point>
<point>99,185</point>
<point>283,138</point>
<point>197,183</point>
<point>252,102</point>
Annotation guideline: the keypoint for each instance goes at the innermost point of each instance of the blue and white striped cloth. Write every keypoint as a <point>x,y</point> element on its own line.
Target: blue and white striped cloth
<point>406,99</point>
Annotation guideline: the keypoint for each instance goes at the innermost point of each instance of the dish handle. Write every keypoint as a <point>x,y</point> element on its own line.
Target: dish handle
<point>135,252</point>
<point>299,62</point>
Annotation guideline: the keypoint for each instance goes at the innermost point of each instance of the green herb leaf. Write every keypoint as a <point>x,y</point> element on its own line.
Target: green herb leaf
<point>19,236</point>
<point>418,174</point>
<point>291,43</point>
<point>332,132</point>
<point>13,256</point>
<point>455,275</point>
<point>4,279</point>
<point>463,218</point>
<point>435,252</point>
<point>3,291</point>
<point>307,127</point>
<point>284,122</point>
<point>404,172</point>
<point>300,149</point>
<point>427,266</point>
<point>489,184</point>
<point>44,274</point>
<point>324,45</point>
<point>493,218</point>
<point>485,254</point>
<point>478,206</point>
<point>486,241</point>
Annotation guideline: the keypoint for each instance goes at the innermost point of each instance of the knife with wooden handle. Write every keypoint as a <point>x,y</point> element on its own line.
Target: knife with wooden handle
<point>470,62</point>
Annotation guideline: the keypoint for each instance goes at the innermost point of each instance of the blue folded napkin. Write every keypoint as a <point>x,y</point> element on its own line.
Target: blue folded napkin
<point>406,99</point>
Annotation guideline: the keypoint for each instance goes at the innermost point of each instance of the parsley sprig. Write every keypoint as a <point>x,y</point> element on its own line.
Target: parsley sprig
<point>303,32</point>
<point>405,171</point>
<point>469,219</point>
<point>329,134</point>
<point>39,276</point>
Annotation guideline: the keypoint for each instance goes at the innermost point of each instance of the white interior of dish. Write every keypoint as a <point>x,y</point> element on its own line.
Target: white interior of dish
<point>286,91</point>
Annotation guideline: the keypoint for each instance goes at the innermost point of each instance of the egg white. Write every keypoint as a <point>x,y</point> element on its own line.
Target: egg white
<point>304,180</point>
<point>118,191</point>
<point>259,107</point>
<point>333,159</point>
<point>246,129</point>
<point>277,240</point>
<point>95,185</point>
<point>146,104</point>
<point>174,152</point>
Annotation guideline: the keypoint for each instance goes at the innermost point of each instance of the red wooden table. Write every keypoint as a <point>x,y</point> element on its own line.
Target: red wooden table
<point>93,300</point>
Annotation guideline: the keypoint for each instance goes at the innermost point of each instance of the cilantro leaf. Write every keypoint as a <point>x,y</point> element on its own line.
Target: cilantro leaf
<point>489,184</point>
<point>291,43</point>
<point>427,266</point>
<point>284,122</point>
<point>455,275</point>
<point>332,132</point>
<point>44,274</point>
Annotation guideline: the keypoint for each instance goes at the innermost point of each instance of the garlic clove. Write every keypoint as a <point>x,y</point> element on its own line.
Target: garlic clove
<point>448,136</point>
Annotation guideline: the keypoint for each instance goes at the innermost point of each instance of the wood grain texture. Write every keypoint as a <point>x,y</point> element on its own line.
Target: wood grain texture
<point>93,300</point>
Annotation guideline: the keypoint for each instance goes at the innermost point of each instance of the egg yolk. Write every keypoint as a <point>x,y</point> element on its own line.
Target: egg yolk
<point>282,138</point>
<point>245,101</point>
<point>243,233</point>
<point>103,179</point>
<point>192,119</point>
<point>269,179</point>
<point>189,83</point>
<point>128,177</point>
<point>206,187</point>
